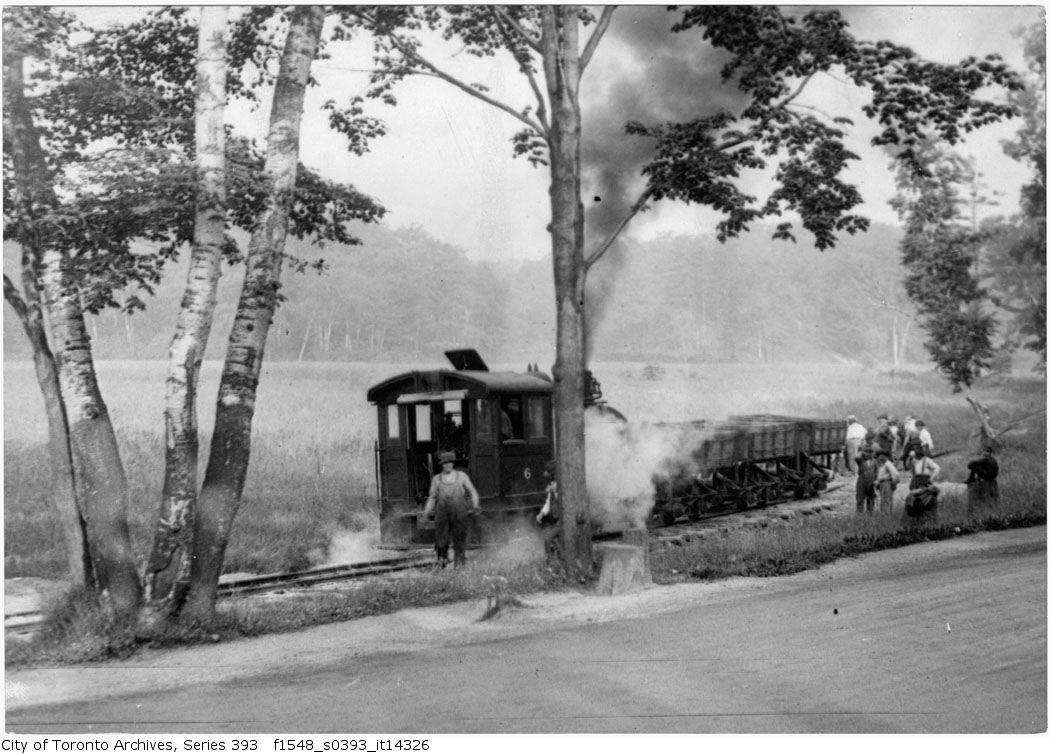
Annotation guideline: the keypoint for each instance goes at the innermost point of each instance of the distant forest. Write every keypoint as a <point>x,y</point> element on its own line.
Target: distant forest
<point>403,296</point>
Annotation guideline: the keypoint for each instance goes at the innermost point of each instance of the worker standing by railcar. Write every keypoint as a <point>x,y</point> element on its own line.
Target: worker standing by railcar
<point>449,491</point>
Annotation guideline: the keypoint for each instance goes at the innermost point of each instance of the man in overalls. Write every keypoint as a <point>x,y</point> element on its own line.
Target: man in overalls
<point>448,501</point>
<point>921,502</point>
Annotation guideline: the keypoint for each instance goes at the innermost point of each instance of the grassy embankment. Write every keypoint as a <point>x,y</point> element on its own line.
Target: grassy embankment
<point>311,478</point>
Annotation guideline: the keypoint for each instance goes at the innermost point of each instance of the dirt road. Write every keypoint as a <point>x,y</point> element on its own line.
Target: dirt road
<point>937,637</point>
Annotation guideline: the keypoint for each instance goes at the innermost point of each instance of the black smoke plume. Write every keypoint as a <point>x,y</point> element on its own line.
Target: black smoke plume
<point>643,72</point>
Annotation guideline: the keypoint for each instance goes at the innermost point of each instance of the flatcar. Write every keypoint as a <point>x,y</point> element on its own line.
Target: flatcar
<point>499,425</point>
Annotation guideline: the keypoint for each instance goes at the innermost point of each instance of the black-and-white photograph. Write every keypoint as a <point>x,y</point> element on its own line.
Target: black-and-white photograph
<point>375,374</point>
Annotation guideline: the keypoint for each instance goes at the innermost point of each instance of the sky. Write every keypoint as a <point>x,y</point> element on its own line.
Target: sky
<point>446,161</point>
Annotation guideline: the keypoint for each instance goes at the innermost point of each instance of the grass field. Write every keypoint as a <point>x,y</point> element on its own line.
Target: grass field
<point>311,480</point>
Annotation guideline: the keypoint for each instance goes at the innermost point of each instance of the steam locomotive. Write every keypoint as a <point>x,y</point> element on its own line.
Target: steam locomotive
<point>500,426</point>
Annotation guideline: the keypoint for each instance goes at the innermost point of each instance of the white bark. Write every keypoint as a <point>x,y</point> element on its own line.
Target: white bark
<point>167,576</point>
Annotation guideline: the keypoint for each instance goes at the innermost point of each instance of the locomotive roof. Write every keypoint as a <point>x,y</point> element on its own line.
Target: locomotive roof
<point>477,383</point>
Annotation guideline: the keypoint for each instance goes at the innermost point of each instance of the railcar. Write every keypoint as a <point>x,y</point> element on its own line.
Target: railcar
<point>748,461</point>
<point>499,425</point>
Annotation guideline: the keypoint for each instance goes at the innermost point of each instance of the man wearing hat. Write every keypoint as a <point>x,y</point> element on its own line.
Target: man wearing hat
<point>449,491</point>
<point>884,435</point>
<point>886,479</point>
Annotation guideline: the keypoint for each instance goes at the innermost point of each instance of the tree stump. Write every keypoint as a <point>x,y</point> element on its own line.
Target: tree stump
<point>624,565</point>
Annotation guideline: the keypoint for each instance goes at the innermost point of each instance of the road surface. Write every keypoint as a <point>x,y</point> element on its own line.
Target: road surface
<point>936,637</point>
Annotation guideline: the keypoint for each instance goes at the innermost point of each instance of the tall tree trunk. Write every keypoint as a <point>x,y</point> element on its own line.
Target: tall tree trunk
<point>231,441</point>
<point>31,186</point>
<point>168,571</point>
<point>895,353</point>
<point>560,47</point>
<point>306,339</point>
<point>96,457</point>
<point>62,482</point>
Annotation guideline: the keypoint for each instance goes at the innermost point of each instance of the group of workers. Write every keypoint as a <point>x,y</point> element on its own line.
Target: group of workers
<point>877,457</point>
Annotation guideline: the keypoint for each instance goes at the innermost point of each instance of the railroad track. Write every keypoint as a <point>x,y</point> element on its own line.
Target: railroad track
<point>326,575</point>
<point>29,621</point>
<point>715,521</point>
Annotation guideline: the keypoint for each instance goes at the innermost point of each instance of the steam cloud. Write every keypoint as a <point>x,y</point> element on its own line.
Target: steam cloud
<point>348,546</point>
<point>622,460</point>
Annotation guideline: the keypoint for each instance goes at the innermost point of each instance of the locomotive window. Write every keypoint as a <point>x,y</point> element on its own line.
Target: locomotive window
<point>510,420</point>
<point>453,413</point>
<point>393,426</point>
<point>423,422</point>
<point>451,435</point>
<point>484,422</point>
<point>537,416</point>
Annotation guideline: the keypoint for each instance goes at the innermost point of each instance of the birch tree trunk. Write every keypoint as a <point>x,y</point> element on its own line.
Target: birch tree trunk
<point>168,570</point>
<point>560,48</point>
<point>96,458</point>
<point>31,186</point>
<point>231,441</point>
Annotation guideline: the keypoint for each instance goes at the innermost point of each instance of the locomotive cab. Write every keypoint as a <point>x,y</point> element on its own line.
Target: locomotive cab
<point>499,425</point>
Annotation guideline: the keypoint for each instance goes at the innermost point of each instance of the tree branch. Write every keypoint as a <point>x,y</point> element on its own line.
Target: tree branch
<point>525,67</point>
<point>817,110</point>
<point>1018,422</point>
<point>414,57</point>
<point>530,40</point>
<point>798,91</point>
<point>596,37</point>
<point>779,106</point>
<point>635,209</point>
<point>14,298</point>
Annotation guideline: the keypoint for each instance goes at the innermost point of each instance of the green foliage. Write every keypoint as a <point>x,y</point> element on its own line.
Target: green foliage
<point>774,58</point>
<point>939,251</point>
<point>1017,264</point>
<point>117,110</point>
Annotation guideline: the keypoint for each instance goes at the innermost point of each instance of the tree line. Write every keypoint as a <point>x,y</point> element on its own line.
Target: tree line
<point>388,299</point>
<point>676,298</point>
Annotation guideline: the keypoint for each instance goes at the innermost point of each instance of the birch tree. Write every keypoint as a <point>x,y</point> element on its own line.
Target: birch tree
<point>167,573</point>
<point>119,136</point>
<point>27,188</point>
<point>220,495</point>
<point>100,486</point>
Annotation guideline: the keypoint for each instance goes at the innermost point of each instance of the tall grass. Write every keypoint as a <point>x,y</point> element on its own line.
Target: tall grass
<point>312,467</point>
<point>311,472</point>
